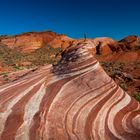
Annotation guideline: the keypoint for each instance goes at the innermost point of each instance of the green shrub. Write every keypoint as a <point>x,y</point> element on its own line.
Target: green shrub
<point>17,68</point>
<point>136,95</point>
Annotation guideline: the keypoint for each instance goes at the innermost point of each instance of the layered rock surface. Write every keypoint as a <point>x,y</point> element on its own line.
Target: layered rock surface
<point>31,41</point>
<point>74,99</point>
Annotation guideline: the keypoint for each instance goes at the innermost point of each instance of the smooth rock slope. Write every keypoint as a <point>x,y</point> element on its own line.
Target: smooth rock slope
<point>73,100</point>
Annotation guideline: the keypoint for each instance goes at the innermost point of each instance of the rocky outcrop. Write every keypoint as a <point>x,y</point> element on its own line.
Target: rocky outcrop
<point>74,99</point>
<point>31,41</point>
<point>109,46</point>
<point>126,52</point>
<point>129,39</point>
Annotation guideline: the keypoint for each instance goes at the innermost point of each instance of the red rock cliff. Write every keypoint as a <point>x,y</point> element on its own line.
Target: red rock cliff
<point>28,42</point>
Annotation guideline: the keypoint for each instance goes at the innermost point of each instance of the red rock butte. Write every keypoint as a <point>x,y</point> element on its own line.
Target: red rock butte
<point>73,100</point>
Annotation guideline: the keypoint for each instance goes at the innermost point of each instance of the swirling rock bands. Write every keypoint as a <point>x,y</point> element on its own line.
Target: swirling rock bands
<point>74,100</point>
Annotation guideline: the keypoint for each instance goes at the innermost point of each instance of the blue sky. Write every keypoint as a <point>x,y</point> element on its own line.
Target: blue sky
<point>96,18</point>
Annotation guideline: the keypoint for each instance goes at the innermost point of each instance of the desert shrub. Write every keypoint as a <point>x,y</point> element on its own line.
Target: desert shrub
<point>14,58</point>
<point>136,95</point>
<point>44,55</point>
<point>9,56</point>
<point>113,68</point>
<point>41,56</point>
<point>18,68</point>
<point>3,73</point>
<point>115,71</point>
<point>5,76</point>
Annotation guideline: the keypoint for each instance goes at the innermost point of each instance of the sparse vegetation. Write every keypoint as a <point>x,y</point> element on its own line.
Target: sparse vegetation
<point>44,55</point>
<point>9,56</point>
<point>3,73</point>
<point>126,75</point>
<point>115,71</point>
<point>18,68</point>
<point>136,95</point>
<point>5,76</point>
<point>13,58</point>
<point>113,68</point>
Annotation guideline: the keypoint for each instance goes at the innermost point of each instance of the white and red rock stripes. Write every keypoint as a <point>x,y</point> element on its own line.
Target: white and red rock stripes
<point>73,100</point>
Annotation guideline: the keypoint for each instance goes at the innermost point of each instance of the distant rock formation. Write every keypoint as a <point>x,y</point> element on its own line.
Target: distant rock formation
<point>108,45</point>
<point>31,41</point>
<point>73,100</point>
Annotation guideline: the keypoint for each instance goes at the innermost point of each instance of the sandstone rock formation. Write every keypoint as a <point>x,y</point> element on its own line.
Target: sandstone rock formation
<point>119,57</point>
<point>73,100</point>
<point>109,46</point>
<point>31,41</point>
